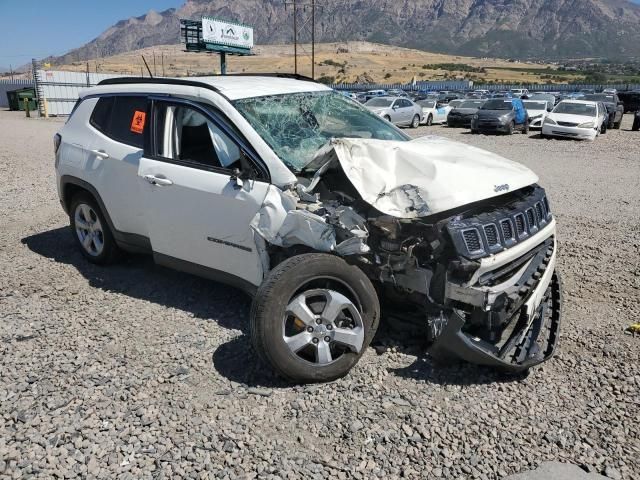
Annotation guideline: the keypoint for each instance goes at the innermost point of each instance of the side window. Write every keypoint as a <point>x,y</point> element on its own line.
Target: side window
<point>101,114</point>
<point>128,120</point>
<point>121,118</point>
<point>185,134</point>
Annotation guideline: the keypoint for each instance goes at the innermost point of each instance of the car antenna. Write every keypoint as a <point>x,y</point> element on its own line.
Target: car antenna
<point>147,65</point>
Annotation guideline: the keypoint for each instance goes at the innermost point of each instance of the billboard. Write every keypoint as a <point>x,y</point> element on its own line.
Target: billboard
<point>226,33</point>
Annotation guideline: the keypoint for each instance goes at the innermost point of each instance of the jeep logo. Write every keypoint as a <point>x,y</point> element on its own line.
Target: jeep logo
<point>501,188</point>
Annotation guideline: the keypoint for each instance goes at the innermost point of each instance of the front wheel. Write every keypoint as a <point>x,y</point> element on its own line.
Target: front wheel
<point>636,124</point>
<point>387,118</point>
<point>415,123</point>
<point>429,120</point>
<point>603,128</point>
<point>525,129</point>
<point>512,127</point>
<point>91,231</point>
<point>313,317</point>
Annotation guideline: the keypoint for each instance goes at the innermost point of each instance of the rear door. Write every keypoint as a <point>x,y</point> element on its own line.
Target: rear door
<point>199,211</point>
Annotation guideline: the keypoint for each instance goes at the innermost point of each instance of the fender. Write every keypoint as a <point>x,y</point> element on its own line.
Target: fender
<point>129,242</point>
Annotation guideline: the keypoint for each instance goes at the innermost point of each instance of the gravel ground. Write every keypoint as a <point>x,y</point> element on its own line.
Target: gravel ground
<point>136,371</point>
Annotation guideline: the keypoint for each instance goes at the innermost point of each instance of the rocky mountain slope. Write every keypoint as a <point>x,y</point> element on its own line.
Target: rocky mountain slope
<point>507,28</point>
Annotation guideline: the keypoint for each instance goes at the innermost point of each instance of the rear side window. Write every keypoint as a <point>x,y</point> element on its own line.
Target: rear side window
<point>122,118</point>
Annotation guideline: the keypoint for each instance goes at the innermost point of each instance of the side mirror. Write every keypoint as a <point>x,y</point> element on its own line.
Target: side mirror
<point>549,109</point>
<point>395,106</point>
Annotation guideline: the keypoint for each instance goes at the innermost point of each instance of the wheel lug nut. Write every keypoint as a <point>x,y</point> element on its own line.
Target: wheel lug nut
<point>315,340</point>
<point>329,327</point>
<point>327,339</point>
<point>319,321</point>
<point>309,329</point>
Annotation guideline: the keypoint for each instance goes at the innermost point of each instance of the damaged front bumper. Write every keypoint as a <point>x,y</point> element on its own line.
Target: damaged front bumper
<point>522,307</point>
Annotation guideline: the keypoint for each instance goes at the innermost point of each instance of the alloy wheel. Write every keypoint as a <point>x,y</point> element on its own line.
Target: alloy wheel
<point>89,229</point>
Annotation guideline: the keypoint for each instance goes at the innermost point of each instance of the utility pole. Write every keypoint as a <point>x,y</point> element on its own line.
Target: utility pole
<point>305,26</point>
<point>163,63</point>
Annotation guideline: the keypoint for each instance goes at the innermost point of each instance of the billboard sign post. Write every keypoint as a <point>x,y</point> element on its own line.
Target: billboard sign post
<point>217,35</point>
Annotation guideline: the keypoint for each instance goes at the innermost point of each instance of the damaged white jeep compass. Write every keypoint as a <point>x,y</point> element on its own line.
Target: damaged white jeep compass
<point>320,210</point>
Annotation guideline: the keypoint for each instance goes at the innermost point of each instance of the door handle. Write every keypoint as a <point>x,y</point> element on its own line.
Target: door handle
<point>161,182</point>
<point>100,153</point>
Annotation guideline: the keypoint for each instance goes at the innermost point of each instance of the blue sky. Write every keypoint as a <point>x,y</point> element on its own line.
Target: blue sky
<point>38,28</point>
<point>53,27</point>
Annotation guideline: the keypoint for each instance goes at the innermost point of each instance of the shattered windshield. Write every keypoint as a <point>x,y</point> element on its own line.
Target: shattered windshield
<point>297,125</point>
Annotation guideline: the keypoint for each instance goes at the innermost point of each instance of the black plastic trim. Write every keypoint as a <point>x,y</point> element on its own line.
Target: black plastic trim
<point>205,272</point>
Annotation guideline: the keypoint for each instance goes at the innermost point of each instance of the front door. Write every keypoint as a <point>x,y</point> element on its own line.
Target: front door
<point>199,212</point>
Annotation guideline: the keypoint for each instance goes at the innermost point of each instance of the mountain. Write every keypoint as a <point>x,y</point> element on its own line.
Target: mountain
<point>500,28</point>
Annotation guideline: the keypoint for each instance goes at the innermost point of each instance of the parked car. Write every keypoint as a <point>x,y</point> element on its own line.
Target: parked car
<point>518,92</point>
<point>501,115</point>
<point>587,91</point>
<point>615,108</point>
<point>547,97</point>
<point>461,115</point>
<point>502,94</point>
<point>397,110</point>
<point>433,112</point>
<point>636,121</point>
<point>455,103</point>
<point>396,92</point>
<point>315,207</point>
<point>537,110</point>
<point>373,94</point>
<point>610,91</point>
<point>580,119</point>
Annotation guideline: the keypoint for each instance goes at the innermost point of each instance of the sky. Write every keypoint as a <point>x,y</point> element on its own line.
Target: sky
<point>39,28</point>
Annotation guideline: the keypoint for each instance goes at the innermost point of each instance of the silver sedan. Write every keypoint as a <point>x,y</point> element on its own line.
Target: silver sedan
<point>397,110</point>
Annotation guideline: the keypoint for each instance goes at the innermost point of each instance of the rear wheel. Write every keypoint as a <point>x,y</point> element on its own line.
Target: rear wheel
<point>91,231</point>
<point>313,317</point>
<point>512,127</point>
<point>415,123</point>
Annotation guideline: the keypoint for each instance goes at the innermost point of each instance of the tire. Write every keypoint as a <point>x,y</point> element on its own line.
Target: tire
<point>525,129</point>
<point>387,118</point>
<point>512,127</point>
<point>636,125</point>
<point>429,120</point>
<point>474,131</point>
<point>603,128</point>
<point>91,231</point>
<point>313,280</point>
<point>415,123</point>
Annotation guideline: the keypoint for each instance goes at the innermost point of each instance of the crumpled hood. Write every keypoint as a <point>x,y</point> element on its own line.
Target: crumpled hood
<point>427,175</point>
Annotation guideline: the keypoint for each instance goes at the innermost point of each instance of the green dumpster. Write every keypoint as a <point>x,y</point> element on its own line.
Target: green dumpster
<point>28,94</point>
<point>12,97</point>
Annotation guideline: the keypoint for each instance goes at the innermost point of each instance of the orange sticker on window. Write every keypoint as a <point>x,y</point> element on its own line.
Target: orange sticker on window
<point>137,122</point>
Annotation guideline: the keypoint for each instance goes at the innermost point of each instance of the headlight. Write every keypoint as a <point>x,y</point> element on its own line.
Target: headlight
<point>536,117</point>
<point>475,117</point>
<point>587,125</point>
<point>550,121</point>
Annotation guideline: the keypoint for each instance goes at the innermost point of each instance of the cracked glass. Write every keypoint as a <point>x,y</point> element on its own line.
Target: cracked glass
<point>297,125</point>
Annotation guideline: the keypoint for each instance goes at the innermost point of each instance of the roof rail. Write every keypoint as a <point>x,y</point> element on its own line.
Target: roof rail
<point>294,76</point>
<point>157,81</point>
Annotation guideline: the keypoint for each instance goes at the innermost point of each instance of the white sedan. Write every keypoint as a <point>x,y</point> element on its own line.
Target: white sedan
<point>537,110</point>
<point>433,111</point>
<point>580,119</point>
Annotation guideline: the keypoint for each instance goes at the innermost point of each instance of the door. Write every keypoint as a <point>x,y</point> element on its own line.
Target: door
<point>199,207</point>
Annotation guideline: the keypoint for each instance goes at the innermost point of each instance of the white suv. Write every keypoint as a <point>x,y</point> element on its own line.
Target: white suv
<point>318,208</point>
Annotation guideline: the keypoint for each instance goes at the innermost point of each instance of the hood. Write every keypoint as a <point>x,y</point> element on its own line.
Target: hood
<point>378,109</point>
<point>535,112</point>
<point>572,118</point>
<point>424,176</point>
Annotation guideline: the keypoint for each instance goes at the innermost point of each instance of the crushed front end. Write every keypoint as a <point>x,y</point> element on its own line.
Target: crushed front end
<point>484,278</point>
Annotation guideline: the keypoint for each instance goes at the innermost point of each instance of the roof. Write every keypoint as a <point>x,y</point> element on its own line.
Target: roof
<point>233,87</point>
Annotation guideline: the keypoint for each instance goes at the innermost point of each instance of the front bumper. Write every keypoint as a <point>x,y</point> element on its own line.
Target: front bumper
<point>489,126</point>
<point>459,122</point>
<point>569,132</point>
<point>533,293</point>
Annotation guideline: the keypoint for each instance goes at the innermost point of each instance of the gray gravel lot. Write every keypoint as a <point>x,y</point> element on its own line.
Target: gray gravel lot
<point>135,371</point>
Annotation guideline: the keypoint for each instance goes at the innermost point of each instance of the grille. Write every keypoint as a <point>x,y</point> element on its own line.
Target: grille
<point>546,205</point>
<point>520,224</point>
<point>472,240</point>
<point>540,211</point>
<point>492,235</point>
<point>568,124</point>
<point>507,229</point>
<point>531,218</point>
